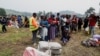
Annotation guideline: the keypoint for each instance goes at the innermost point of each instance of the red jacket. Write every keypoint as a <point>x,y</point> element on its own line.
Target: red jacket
<point>92,21</point>
<point>52,21</point>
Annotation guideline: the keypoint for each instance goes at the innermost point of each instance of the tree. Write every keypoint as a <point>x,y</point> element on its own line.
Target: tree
<point>2,12</point>
<point>89,11</point>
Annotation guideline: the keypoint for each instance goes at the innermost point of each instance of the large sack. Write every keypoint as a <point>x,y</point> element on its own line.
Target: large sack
<point>55,47</point>
<point>87,30</point>
<point>43,46</point>
<point>51,45</point>
<point>29,51</point>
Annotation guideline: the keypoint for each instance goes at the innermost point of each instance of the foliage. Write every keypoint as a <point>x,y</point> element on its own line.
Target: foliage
<point>6,52</point>
<point>89,11</point>
<point>2,12</point>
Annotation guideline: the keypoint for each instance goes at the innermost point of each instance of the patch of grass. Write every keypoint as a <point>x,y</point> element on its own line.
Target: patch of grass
<point>6,52</point>
<point>14,35</point>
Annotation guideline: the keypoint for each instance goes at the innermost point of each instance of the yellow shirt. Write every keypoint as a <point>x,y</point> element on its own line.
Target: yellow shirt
<point>33,24</point>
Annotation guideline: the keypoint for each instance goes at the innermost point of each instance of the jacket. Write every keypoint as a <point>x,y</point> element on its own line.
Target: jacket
<point>33,24</point>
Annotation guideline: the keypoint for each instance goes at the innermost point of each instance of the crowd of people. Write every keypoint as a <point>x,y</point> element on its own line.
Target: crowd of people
<point>13,21</point>
<point>48,28</point>
<point>61,25</point>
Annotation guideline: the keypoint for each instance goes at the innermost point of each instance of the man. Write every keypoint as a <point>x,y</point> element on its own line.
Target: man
<point>34,27</point>
<point>92,22</point>
<point>4,22</point>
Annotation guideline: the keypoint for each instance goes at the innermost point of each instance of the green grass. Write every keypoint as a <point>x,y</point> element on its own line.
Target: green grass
<point>10,39</point>
<point>14,42</point>
<point>6,52</point>
<point>14,35</point>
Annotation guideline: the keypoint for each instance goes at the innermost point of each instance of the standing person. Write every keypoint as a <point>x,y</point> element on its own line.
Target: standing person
<point>65,29</point>
<point>98,21</point>
<point>26,22</point>
<point>19,20</point>
<point>44,28</point>
<point>67,21</point>
<point>92,22</point>
<point>85,23</point>
<point>58,25</point>
<point>14,21</point>
<point>3,22</point>
<point>80,22</point>
<point>33,24</point>
<point>74,24</point>
<point>52,28</point>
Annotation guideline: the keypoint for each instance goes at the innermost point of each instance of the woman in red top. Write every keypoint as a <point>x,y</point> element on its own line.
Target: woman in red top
<point>52,28</point>
<point>92,22</point>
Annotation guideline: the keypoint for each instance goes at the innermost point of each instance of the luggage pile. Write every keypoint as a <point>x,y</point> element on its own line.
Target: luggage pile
<point>94,41</point>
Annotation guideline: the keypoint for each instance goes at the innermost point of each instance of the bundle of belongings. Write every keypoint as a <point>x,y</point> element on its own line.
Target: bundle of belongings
<point>94,41</point>
<point>53,47</point>
<point>29,51</point>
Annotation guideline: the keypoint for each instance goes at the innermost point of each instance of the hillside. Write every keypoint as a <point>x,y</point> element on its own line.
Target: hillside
<point>13,12</point>
<point>10,12</point>
<point>71,13</point>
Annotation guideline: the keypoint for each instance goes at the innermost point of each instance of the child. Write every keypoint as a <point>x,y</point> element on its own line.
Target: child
<point>65,36</point>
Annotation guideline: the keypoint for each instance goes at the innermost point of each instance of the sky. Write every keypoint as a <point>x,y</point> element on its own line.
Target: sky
<point>79,6</point>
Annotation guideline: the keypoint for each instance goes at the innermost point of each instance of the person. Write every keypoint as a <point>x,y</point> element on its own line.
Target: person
<point>52,28</point>
<point>98,21</point>
<point>79,24</point>
<point>26,22</point>
<point>58,25</point>
<point>19,20</point>
<point>92,22</point>
<point>63,26</point>
<point>4,22</point>
<point>66,36</point>
<point>14,21</point>
<point>44,28</point>
<point>85,23</point>
<point>74,22</point>
<point>33,25</point>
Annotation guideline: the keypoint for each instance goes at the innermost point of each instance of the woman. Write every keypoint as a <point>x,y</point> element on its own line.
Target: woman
<point>85,23</point>
<point>44,28</point>
<point>74,23</point>
<point>52,28</point>
<point>98,21</point>
<point>79,24</point>
<point>26,22</point>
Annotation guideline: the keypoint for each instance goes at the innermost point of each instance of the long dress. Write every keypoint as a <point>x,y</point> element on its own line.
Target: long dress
<point>52,28</point>
<point>44,30</point>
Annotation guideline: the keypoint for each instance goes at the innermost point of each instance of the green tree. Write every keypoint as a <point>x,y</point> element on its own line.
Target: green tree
<point>2,12</point>
<point>91,9</point>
